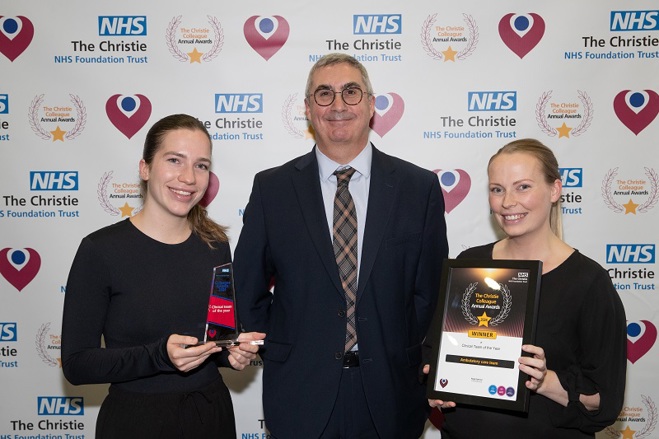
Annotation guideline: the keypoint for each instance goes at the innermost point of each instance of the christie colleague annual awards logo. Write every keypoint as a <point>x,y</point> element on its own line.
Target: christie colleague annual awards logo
<point>448,41</point>
<point>128,113</point>
<point>119,196</point>
<point>521,32</point>
<point>266,35</point>
<point>193,43</point>
<point>294,118</point>
<point>49,346</point>
<point>635,421</point>
<point>564,117</point>
<point>15,35</point>
<point>57,115</point>
<point>630,194</point>
<point>19,266</point>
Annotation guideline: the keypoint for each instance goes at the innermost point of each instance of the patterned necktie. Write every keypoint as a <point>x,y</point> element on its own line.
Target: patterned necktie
<point>345,248</point>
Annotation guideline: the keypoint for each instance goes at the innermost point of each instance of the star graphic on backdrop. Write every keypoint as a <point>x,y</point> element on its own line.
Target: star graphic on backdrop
<point>630,207</point>
<point>195,56</point>
<point>58,134</point>
<point>484,320</point>
<point>449,54</point>
<point>628,433</point>
<point>126,210</point>
<point>564,131</point>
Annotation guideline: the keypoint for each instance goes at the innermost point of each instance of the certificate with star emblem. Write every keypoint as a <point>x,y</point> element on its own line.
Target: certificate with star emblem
<point>486,312</point>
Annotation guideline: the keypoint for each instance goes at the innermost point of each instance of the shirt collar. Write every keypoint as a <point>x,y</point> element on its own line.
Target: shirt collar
<point>361,163</point>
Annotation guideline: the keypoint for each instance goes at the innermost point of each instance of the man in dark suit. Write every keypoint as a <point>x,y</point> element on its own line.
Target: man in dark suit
<point>319,382</point>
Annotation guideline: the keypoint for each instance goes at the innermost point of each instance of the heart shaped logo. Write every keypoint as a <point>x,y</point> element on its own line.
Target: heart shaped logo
<point>455,185</point>
<point>212,333</point>
<point>389,108</point>
<point>128,113</point>
<point>15,35</point>
<point>641,336</point>
<point>521,32</point>
<point>636,109</point>
<point>266,35</point>
<point>211,191</point>
<point>19,266</point>
<point>443,382</point>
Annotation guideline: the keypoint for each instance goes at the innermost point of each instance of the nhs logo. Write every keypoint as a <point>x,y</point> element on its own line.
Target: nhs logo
<point>121,25</point>
<point>4,103</point>
<point>239,103</point>
<point>492,100</point>
<point>377,24</point>
<point>53,180</point>
<point>634,21</point>
<point>571,177</point>
<point>8,331</point>
<point>630,253</point>
<point>60,406</point>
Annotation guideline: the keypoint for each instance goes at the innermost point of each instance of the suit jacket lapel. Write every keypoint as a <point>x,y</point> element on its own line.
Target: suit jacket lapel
<point>307,188</point>
<point>382,194</point>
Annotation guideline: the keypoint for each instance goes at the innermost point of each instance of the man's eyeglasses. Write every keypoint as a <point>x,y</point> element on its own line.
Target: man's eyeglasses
<point>351,96</point>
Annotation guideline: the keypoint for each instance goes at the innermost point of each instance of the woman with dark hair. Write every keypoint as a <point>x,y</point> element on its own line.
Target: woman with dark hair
<point>577,365</point>
<point>143,286</point>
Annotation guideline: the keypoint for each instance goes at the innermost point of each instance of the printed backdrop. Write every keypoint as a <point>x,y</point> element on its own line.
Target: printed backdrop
<point>81,82</point>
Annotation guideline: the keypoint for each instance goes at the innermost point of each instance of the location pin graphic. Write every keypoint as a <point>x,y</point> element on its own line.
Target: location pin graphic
<point>128,113</point>
<point>19,266</point>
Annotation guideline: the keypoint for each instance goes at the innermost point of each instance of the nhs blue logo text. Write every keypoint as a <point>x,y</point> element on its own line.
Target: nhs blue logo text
<point>377,24</point>
<point>571,177</point>
<point>121,25</point>
<point>4,104</point>
<point>634,20</point>
<point>60,405</point>
<point>630,253</point>
<point>492,100</point>
<point>8,331</point>
<point>53,180</point>
<point>239,103</point>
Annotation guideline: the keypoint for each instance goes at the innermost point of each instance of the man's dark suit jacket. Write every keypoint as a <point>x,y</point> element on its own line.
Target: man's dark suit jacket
<point>285,238</point>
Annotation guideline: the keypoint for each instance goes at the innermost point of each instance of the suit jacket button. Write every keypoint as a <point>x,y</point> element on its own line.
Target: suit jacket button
<point>342,313</point>
<point>338,355</point>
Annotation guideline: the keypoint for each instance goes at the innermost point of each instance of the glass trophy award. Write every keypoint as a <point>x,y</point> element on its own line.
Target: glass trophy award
<point>222,316</point>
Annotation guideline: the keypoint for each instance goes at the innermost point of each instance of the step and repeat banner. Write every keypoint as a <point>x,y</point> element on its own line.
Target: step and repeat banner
<point>81,82</point>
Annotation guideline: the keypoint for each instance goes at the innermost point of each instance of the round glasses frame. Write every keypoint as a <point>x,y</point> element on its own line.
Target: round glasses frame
<point>324,97</point>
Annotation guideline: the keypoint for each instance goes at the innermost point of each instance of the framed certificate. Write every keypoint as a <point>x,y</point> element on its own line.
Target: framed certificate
<point>486,312</point>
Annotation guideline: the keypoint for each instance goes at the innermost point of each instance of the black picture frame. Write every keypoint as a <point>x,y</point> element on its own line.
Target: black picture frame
<point>476,366</point>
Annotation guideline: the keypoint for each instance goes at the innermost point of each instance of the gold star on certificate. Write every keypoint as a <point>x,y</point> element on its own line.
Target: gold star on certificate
<point>484,320</point>
<point>630,207</point>
<point>126,210</point>
<point>58,134</point>
<point>628,433</point>
<point>195,56</point>
<point>564,131</point>
<point>449,54</point>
